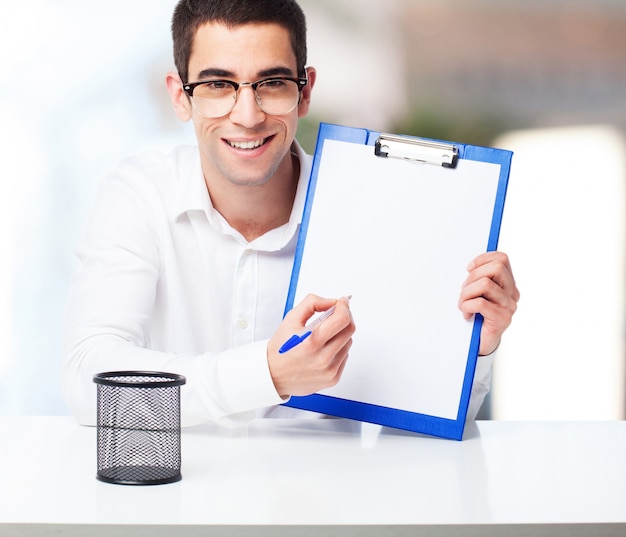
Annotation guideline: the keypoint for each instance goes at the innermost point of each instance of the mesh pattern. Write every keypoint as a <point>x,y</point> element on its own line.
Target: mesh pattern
<point>139,428</point>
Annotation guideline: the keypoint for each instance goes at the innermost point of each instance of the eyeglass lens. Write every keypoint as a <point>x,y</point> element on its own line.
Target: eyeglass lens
<point>274,97</point>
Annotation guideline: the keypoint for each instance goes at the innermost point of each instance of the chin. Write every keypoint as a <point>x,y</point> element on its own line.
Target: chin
<point>249,180</point>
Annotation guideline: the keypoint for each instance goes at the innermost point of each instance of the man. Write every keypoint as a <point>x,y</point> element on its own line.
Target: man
<point>186,261</point>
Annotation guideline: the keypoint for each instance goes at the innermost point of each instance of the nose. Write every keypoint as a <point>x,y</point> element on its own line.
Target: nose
<point>246,111</point>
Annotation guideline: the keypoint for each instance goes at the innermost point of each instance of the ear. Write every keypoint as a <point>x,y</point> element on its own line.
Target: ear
<point>305,101</point>
<point>180,99</point>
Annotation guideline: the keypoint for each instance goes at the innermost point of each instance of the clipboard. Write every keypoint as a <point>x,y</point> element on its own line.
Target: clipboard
<point>393,221</point>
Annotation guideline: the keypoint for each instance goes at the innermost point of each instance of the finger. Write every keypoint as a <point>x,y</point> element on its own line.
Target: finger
<point>343,338</point>
<point>309,306</point>
<point>336,366</point>
<point>495,306</point>
<point>487,288</point>
<point>484,288</point>
<point>489,257</point>
<point>496,271</point>
<point>342,360</point>
<point>336,324</point>
<point>488,299</point>
<point>494,268</point>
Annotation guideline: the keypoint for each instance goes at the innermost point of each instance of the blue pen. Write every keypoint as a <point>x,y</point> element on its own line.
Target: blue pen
<point>296,339</point>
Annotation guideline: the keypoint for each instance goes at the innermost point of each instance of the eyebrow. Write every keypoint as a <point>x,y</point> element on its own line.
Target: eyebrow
<point>213,72</point>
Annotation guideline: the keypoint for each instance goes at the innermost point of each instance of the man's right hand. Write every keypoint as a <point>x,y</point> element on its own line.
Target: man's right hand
<point>318,362</point>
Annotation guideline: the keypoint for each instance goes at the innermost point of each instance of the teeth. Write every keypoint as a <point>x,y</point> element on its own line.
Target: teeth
<point>247,145</point>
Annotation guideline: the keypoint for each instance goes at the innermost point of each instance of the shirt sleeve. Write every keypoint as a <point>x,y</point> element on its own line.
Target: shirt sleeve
<point>480,386</point>
<point>111,300</point>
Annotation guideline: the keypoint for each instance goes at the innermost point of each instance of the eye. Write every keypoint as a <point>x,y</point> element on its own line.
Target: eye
<point>273,83</point>
<point>218,86</point>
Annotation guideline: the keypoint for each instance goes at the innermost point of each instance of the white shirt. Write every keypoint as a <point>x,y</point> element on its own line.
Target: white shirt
<point>164,283</point>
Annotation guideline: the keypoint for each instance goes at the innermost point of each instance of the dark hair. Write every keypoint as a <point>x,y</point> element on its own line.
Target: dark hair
<point>189,15</point>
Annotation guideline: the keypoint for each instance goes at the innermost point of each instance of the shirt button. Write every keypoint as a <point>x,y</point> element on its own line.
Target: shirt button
<point>243,324</point>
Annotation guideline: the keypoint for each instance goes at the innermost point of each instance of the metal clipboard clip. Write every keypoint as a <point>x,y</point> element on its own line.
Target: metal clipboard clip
<point>402,147</point>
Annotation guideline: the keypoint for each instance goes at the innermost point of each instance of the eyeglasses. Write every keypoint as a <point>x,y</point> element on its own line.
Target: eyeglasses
<point>217,98</point>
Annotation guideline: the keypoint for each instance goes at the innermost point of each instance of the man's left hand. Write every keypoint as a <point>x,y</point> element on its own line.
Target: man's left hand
<point>491,291</point>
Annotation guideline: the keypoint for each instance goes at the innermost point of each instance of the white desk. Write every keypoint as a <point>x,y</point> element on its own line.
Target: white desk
<point>324,477</point>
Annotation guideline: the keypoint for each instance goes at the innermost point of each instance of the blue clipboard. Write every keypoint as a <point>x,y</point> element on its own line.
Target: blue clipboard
<point>393,221</point>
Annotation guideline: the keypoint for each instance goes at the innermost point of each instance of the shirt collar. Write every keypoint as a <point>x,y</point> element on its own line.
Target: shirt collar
<point>192,192</point>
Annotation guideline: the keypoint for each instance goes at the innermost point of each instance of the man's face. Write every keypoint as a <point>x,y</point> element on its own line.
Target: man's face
<point>247,146</point>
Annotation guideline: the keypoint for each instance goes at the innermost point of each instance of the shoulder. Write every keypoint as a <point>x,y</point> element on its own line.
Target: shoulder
<point>159,165</point>
<point>150,183</point>
<point>157,171</point>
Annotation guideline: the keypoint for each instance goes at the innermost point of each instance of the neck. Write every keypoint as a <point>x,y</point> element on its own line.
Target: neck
<point>255,210</point>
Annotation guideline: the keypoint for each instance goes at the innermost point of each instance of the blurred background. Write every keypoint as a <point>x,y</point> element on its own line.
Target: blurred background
<point>82,86</point>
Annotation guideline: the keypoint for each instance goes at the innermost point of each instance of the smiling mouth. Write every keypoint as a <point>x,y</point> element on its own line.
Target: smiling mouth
<point>252,144</point>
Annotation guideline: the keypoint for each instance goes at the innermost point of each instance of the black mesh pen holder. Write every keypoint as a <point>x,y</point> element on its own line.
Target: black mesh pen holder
<point>139,427</point>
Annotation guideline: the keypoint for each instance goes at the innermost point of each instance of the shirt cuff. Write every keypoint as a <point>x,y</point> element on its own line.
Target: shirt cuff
<point>245,379</point>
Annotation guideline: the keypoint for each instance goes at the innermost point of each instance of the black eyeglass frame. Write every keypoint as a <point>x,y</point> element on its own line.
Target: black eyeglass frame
<point>301,82</point>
